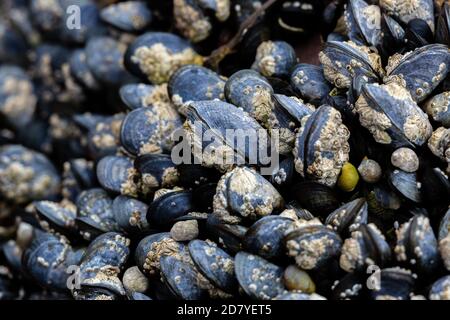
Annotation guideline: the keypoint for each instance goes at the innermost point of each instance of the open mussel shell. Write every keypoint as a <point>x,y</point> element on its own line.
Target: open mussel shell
<point>143,57</point>
<point>275,59</point>
<point>206,127</point>
<point>349,216</point>
<point>417,245</point>
<point>392,116</point>
<point>392,284</point>
<point>157,171</point>
<point>129,16</point>
<point>258,278</point>
<point>182,279</point>
<point>245,193</point>
<point>26,175</point>
<point>55,216</point>
<point>303,241</point>
<point>366,246</point>
<point>101,264</point>
<point>228,234</point>
<point>117,174</point>
<point>406,184</point>
<point>421,70</point>
<point>424,9</point>
<point>104,57</point>
<point>195,83</point>
<point>343,61</point>
<point>321,147</point>
<point>363,22</point>
<point>309,82</point>
<point>163,211</point>
<point>130,214</point>
<point>439,290</point>
<point>265,237</point>
<point>315,197</point>
<point>214,264</point>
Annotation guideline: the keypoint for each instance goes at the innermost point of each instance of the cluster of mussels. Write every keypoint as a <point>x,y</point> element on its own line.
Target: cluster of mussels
<point>94,206</point>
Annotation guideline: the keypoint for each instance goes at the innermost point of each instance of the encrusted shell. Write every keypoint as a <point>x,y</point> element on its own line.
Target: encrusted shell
<point>391,115</point>
<point>321,146</point>
<point>343,61</point>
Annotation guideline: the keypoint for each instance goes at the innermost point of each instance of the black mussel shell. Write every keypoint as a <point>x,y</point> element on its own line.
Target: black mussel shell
<point>130,214</point>
<point>55,216</point>
<point>104,56</point>
<point>145,130</point>
<point>134,94</point>
<point>303,243</point>
<point>421,70</point>
<point>182,279</point>
<point>423,9</point>
<point>163,211</point>
<point>215,264</point>
<point>443,25</point>
<point>392,284</point>
<point>309,82</point>
<point>117,174</point>
<point>265,237</point>
<point>417,245</point>
<point>392,116</point>
<point>435,186</point>
<point>228,234</point>
<point>367,246</point>
<point>321,146</point>
<point>157,171</point>
<point>143,57</point>
<point>418,34</point>
<point>363,22</point>
<point>349,216</point>
<point>315,197</point>
<point>17,96</point>
<point>130,16</point>
<point>26,175</point>
<point>80,70</point>
<point>283,175</point>
<point>350,287</point>
<point>406,184</point>
<point>437,108</point>
<point>245,193</point>
<point>344,60</point>
<point>275,59</point>
<point>214,119</point>
<point>439,289</point>
<point>101,264</point>
<point>258,278</point>
<point>195,83</point>
<point>203,197</point>
<point>194,175</point>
